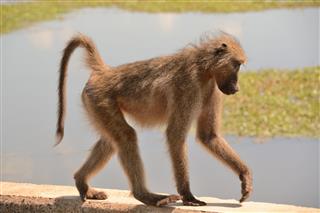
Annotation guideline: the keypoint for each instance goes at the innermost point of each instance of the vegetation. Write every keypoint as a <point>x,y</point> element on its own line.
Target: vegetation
<point>275,102</point>
<point>17,15</point>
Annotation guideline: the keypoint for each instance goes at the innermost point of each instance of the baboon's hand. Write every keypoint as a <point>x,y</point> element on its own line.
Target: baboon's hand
<point>246,185</point>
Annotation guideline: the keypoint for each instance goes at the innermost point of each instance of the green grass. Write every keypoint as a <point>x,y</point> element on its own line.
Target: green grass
<point>275,102</point>
<point>15,16</point>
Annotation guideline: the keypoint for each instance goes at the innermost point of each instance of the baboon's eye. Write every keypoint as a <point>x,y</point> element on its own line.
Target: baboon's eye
<point>236,64</point>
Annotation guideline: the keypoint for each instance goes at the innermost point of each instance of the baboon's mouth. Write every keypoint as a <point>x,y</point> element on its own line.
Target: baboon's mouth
<point>229,90</point>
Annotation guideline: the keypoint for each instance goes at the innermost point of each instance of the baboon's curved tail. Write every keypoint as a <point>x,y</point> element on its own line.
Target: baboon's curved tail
<point>93,60</point>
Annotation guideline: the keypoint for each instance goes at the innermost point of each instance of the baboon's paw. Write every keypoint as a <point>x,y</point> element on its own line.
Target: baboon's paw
<point>244,197</point>
<point>96,195</point>
<point>193,202</point>
<point>83,197</point>
<point>246,186</point>
<point>168,199</point>
<point>83,189</point>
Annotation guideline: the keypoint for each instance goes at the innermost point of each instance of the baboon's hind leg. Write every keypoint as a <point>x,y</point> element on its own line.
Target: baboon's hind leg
<point>100,154</point>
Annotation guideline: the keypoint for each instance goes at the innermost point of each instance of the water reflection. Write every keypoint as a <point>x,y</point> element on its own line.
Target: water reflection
<point>46,38</point>
<point>285,170</point>
<point>18,166</point>
<point>167,21</point>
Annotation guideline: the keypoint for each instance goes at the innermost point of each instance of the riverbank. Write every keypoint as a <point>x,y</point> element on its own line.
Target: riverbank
<point>18,15</point>
<point>24,197</point>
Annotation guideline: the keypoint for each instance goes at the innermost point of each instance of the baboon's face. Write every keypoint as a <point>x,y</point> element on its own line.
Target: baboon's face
<point>227,79</point>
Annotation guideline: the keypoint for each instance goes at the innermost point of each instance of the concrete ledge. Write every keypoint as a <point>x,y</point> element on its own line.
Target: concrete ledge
<point>24,197</point>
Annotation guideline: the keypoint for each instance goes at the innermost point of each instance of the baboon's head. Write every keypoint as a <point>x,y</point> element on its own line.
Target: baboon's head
<point>224,56</point>
<point>229,56</point>
<point>226,73</point>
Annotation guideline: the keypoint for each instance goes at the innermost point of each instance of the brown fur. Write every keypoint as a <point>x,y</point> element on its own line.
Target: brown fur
<point>172,90</point>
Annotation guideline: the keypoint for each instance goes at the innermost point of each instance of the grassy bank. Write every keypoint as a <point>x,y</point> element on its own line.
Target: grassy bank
<point>273,102</point>
<point>14,16</point>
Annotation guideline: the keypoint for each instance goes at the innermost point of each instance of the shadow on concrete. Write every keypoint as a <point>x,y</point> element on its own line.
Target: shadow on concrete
<point>144,208</point>
<point>227,205</point>
<point>74,204</point>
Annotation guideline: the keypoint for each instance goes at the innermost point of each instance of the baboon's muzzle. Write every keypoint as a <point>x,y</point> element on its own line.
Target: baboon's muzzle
<point>230,85</point>
<point>230,88</point>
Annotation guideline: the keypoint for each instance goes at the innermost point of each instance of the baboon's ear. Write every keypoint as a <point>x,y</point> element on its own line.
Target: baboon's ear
<point>224,45</point>
<point>221,49</point>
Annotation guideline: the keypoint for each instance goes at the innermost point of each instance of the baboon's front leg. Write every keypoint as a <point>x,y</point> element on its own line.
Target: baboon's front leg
<point>208,135</point>
<point>221,149</point>
<point>176,133</point>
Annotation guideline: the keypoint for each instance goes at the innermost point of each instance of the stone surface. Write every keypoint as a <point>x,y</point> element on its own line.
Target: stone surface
<point>25,197</point>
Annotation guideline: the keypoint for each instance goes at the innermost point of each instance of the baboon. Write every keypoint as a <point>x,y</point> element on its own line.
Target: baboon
<point>171,90</point>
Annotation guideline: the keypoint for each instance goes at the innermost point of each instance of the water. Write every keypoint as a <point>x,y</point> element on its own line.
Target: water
<point>285,170</point>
